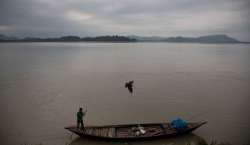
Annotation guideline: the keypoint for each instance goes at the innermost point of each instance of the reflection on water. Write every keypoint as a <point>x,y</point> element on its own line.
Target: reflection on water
<point>181,140</point>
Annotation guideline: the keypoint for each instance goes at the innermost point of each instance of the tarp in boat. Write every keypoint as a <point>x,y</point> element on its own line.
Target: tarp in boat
<point>179,124</point>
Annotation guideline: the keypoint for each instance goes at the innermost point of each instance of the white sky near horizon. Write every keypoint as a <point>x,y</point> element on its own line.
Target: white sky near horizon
<point>49,18</point>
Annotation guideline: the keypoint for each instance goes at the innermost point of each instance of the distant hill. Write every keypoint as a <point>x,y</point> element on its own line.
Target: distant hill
<point>202,39</point>
<point>217,39</point>
<point>3,37</point>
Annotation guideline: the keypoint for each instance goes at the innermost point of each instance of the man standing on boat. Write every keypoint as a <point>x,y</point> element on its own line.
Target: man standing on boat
<point>80,115</point>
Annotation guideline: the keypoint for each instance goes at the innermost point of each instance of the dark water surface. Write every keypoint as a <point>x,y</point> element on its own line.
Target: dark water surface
<point>42,85</point>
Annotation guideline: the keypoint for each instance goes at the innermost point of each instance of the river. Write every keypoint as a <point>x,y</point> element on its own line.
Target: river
<point>42,85</point>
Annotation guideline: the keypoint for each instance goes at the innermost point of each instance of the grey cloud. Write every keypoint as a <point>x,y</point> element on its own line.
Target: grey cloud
<point>141,17</point>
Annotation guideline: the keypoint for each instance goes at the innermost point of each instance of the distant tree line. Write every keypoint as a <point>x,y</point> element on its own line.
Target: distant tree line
<point>114,38</point>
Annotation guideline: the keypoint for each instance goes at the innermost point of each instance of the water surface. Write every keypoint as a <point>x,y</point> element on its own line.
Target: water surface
<point>42,85</point>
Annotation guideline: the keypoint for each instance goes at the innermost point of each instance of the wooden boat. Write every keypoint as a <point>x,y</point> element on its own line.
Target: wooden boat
<point>133,131</point>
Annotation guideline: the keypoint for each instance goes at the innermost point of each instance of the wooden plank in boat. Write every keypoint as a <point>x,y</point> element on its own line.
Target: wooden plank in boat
<point>105,132</point>
<point>111,132</point>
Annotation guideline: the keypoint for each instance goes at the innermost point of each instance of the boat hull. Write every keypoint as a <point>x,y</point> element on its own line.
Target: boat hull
<point>133,131</point>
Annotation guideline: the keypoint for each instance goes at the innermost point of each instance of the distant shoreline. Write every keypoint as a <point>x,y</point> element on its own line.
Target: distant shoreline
<point>20,41</point>
<point>209,39</point>
<point>70,39</point>
<point>118,42</point>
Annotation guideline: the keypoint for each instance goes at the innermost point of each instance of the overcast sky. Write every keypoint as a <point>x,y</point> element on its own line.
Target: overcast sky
<point>125,17</point>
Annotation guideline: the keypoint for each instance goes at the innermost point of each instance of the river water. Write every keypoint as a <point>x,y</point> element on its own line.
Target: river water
<point>42,85</point>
